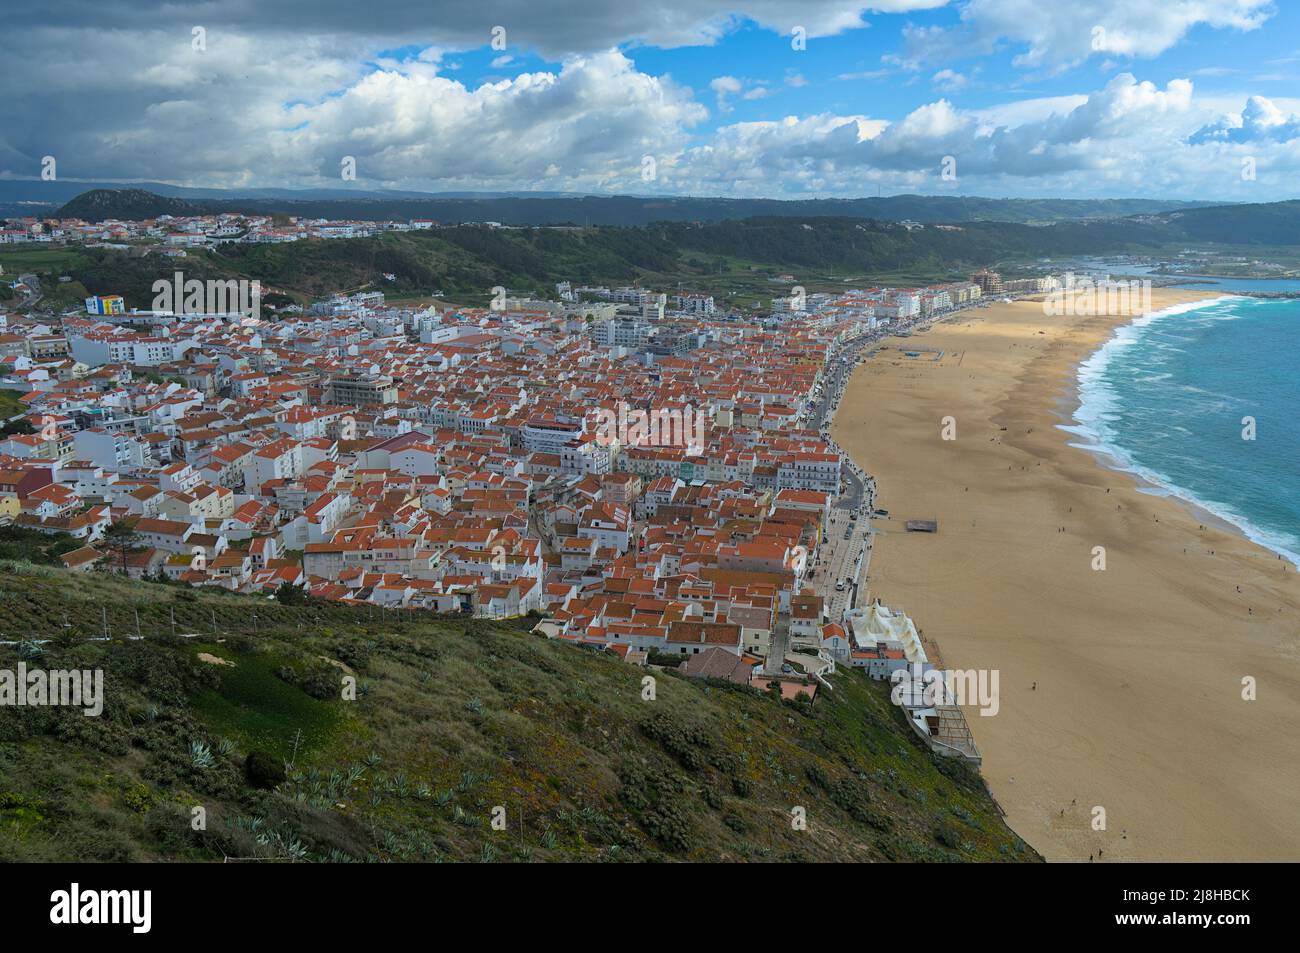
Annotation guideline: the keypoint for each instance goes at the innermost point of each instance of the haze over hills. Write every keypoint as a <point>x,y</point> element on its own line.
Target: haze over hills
<point>61,190</point>
<point>553,209</point>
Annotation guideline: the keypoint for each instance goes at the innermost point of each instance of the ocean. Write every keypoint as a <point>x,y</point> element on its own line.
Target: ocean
<point>1166,396</point>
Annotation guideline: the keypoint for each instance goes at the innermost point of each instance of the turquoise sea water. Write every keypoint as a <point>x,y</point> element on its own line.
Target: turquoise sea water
<point>1166,397</point>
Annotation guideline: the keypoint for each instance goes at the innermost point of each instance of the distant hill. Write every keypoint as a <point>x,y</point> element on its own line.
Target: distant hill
<point>736,257</point>
<point>1273,223</point>
<point>451,718</point>
<point>542,209</point>
<point>130,205</point>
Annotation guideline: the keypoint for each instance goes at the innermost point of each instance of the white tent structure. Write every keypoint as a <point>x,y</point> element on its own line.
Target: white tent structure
<point>878,625</point>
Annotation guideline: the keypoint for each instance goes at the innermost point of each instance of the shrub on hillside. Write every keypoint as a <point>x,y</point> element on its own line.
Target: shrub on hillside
<point>263,769</point>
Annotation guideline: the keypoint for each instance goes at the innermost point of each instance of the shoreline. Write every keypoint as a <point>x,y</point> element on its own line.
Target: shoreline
<point>1116,458</point>
<point>1120,689</point>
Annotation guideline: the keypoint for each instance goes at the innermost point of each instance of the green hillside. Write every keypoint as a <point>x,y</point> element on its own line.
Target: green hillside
<point>464,262</point>
<point>451,719</point>
<point>1273,223</point>
<point>735,256</point>
<point>541,209</point>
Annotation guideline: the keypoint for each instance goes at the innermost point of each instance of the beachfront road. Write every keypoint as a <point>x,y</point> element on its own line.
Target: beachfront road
<point>843,560</point>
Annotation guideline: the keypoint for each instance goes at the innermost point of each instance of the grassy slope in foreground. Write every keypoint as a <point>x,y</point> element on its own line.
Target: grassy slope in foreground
<point>453,717</point>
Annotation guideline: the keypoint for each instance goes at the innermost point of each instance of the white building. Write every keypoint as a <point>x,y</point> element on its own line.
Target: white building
<point>108,449</point>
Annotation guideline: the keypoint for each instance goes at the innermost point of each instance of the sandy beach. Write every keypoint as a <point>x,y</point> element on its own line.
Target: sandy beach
<point>1120,688</point>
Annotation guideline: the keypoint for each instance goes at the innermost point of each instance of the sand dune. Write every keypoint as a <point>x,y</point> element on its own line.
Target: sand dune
<point>1138,706</point>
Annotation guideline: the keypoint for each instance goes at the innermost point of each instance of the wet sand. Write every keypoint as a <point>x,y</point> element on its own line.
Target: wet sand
<point>1138,707</point>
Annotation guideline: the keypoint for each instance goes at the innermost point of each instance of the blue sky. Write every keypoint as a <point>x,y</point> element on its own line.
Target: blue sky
<point>855,71</point>
<point>1175,98</point>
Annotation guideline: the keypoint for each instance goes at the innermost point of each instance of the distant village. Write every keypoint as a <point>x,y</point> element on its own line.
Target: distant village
<point>176,233</point>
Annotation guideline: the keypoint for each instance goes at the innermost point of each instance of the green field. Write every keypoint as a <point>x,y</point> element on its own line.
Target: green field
<point>32,259</point>
<point>10,405</point>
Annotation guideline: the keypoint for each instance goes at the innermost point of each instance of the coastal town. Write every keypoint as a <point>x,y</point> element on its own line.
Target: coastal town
<point>695,432</point>
<point>643,472</point>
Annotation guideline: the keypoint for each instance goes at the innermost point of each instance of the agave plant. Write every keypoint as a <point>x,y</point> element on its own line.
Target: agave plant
<point>459,816</point>
<point>290,847</point>
<point>399,785</point>
<point>201,755</point>
<point>252,824</point>
<point>373,760</point>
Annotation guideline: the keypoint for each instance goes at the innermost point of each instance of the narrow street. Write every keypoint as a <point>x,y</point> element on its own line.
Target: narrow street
<point>780,646</point>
